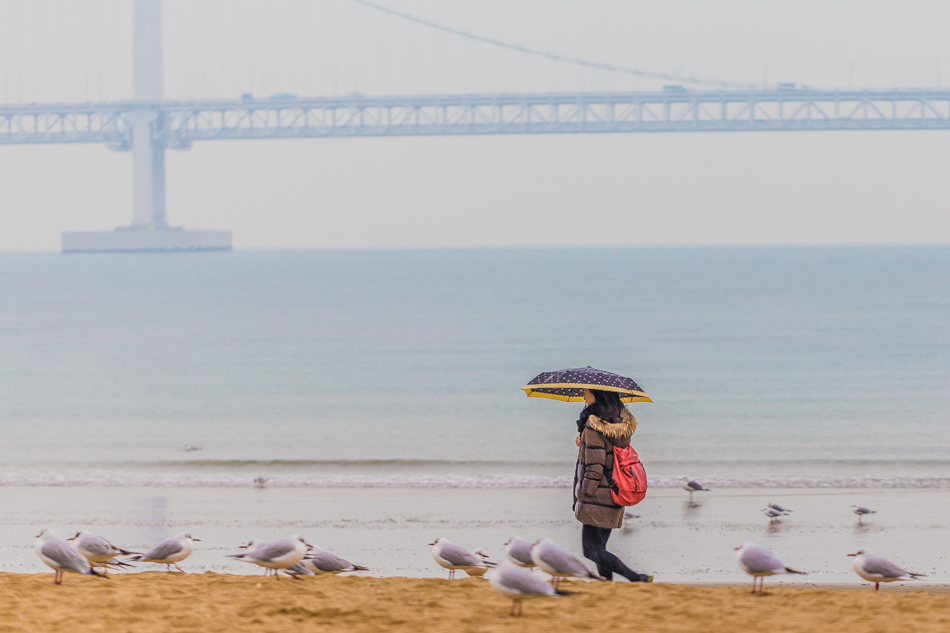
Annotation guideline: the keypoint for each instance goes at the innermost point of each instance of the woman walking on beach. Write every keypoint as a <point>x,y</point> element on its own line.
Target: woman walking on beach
<point>603,424</point>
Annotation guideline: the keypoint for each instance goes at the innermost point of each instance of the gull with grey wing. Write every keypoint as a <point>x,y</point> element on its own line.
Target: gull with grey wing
<point>559,562</point>
<point>320,562</point>
<point>759,562</point>
<point>98,550</point>
<point>453,557</point>
<point>519,584</point>
<point>170,552</point>
<point>518,551</point>
<point>878,569</point>
<point>59,555</point>
<point>276,555</point>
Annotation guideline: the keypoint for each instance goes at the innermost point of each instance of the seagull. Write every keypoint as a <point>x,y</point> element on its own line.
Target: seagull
<point>253,544</point>
<point>170,552</point>
<point>559,562</point>
<point>58,554</point>
<point>320,562</point>
<point>260,481</point>
<point>861,511</point>
<point>776,506</point>
<point>453,557</point>
<point>759,562</point>
<point>98,550</point>
<point>519,584</point>
<point>485,557</point>
<point>276,555</point>
<point>772,513</point>
<point>691,486</point>
<point>878,569</point>
<point>518,551</point>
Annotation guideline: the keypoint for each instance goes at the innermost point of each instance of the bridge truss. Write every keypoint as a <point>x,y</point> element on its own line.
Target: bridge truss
<point>177,124</point>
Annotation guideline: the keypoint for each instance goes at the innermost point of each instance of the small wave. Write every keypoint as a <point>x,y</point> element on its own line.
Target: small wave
<point>233,480</point>
<point>344,463</point>
<point>138,480</point>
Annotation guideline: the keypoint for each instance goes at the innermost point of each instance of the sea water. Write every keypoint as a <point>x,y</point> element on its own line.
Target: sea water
<point>769,367</point>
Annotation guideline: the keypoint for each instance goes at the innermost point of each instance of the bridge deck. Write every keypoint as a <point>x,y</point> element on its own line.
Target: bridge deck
<point>180,123</point>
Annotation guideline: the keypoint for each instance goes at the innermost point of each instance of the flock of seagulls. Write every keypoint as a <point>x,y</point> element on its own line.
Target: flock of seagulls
<point>513,578</point>
<point>760,562</point>
<point>773,510</point>
<point>85,551</point>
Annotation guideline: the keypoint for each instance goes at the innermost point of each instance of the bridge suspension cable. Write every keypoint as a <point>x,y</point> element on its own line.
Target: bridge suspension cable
<point>577,61</point>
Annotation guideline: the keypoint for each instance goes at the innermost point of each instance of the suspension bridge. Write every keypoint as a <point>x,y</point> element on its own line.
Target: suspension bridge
<point>148,124</point>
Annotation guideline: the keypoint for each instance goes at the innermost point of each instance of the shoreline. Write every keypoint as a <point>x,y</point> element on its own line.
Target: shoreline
<point>388,530</point>
<point>211,602</point>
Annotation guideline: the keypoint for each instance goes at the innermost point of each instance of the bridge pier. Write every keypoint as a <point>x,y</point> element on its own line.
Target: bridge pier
<point>149,230</point>
<point>148,173</point>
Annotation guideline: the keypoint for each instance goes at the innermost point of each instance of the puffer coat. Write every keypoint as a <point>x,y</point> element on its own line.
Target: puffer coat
<point>593,504</point>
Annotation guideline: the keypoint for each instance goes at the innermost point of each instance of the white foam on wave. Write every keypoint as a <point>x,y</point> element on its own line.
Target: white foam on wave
<point>113,478</point>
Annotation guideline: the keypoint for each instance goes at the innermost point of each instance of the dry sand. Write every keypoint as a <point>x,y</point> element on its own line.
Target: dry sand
<point>159,601</point>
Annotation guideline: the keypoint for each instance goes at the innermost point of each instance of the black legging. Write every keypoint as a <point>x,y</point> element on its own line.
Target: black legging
<point>594,540</point>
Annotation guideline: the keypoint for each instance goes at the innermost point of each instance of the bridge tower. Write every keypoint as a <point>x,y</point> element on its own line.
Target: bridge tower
<point>149,230</point>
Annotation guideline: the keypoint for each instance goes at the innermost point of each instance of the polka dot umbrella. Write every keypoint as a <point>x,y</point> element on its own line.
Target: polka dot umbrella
<point>569,384</point>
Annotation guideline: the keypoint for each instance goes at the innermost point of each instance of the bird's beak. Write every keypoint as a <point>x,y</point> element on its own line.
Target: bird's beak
<point>38,535</point>
<point>309,546</point>
<point>195,539</point>
<point>433,544</point>
<point>737,548</point>
<point>851,554</point>
<point>71,538</point>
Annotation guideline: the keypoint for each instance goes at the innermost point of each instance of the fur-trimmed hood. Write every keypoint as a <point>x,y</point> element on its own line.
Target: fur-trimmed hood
<point>615,431</point>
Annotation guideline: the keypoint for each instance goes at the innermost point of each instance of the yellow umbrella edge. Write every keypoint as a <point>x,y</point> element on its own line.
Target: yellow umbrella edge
<point>626,397</point>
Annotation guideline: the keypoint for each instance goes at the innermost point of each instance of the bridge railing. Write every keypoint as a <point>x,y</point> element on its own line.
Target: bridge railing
<point>179,123</point>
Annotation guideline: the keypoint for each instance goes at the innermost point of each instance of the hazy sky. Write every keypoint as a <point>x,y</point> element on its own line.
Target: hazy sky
<point>713,188</point>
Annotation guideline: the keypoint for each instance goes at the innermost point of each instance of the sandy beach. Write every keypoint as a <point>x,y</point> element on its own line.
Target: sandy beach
<point>211,602</point>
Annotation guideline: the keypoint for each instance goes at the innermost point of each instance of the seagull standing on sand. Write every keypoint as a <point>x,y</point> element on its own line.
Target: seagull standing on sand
<point>452,557</point>
<point>276,555</point>
<point>878,569</point>
<point>170,552</point>
<point>692,486</point>
<point>518,551</point>
<point>59,555</point>
<point>253,544</point>
<point>485,557</point>
<point>861,511</point>
<point>98,550</point>
<point>519,584</point>
<point>559,562</point>
<point>319,562</point>
<point>759,562</point>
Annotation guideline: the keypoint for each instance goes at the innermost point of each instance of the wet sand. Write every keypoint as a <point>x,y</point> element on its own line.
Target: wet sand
<point>388,530</point>
<point>210,602</point>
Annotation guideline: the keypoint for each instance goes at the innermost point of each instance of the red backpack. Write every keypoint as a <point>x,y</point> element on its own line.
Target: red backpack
<point>629,478</point>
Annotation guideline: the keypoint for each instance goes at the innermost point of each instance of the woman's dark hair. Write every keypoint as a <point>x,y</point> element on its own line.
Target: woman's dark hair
<point>607,407</point>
